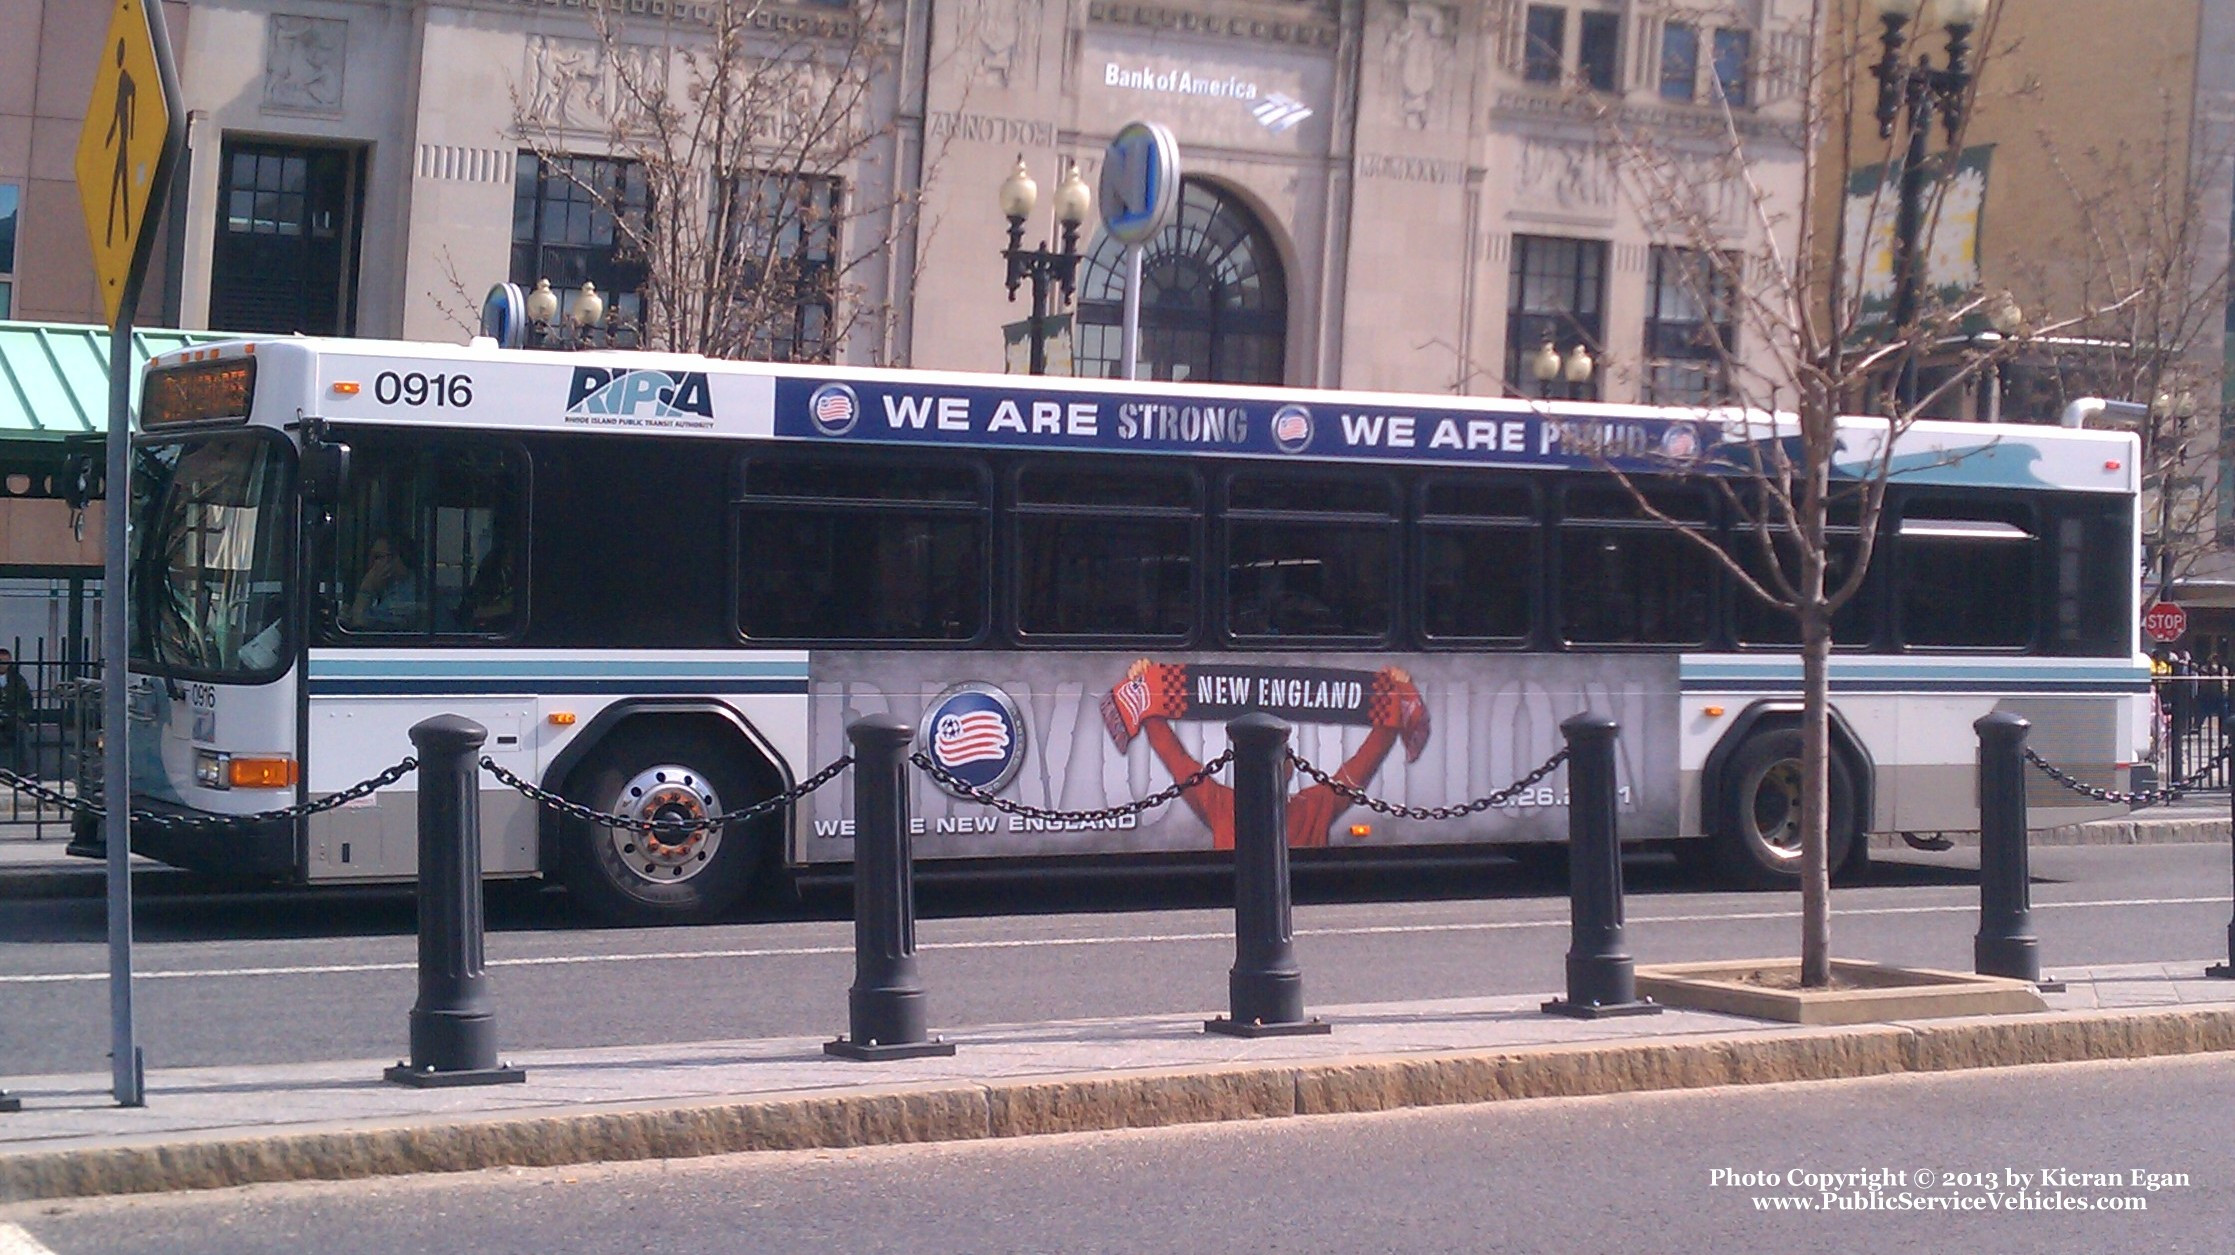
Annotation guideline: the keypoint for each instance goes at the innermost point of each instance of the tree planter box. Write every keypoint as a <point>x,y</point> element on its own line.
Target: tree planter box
<point>1861,993</point>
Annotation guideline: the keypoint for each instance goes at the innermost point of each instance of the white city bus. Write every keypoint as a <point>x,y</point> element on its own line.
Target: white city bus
<point>667,584</point>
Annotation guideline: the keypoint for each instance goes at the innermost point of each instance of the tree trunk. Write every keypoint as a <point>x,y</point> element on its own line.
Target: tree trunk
<point>1815,797</point>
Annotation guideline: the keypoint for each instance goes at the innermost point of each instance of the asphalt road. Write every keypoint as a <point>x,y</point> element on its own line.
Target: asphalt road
<point>1627,1173</point>
<point>330,975</point>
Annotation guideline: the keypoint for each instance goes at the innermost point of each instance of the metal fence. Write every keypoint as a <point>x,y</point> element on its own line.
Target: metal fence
<point>2192,717</point>
<point>59,744</point>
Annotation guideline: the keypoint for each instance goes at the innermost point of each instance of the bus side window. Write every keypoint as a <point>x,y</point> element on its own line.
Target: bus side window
<point>427,541</point>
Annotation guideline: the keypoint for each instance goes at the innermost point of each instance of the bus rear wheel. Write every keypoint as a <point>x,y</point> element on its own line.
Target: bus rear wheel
<point>630,877</point>
<point>1758,841</point>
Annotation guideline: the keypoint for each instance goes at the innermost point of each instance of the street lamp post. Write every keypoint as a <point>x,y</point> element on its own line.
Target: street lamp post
<point>1920,89</point>
<point>1548,367</point>
<point>591,324</point>
<point>1043,265</point>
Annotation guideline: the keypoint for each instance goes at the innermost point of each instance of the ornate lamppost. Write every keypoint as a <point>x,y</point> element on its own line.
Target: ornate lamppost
<point>1547,366</point>
<point>591,324</point>
<point>1919,89</point>
<point>1043,265</point>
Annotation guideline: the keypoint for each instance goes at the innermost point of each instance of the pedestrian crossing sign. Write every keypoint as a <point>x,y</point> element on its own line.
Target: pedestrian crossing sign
<point>133,126</point>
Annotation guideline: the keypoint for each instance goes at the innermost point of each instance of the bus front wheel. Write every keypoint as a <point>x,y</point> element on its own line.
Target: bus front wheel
<point>631,877</point>
<point>1758,840</point>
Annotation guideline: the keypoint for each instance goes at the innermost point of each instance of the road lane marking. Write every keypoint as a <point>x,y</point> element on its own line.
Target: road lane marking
<point>14,1241</point>
<point>1019,943</point>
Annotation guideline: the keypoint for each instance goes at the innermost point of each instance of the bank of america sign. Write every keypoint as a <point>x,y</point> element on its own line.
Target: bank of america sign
<point>1278,113</point>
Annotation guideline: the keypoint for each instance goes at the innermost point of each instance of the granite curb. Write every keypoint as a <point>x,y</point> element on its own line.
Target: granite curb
<point>1100,1101</point>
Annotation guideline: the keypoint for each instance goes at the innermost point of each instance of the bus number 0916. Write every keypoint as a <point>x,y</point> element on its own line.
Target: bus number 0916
<point>442,391</point>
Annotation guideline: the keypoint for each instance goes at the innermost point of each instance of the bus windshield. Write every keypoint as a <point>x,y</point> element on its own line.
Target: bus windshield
<point>210,556</point>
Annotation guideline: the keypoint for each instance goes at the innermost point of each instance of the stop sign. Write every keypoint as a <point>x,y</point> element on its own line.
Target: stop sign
<point>2165,622</point>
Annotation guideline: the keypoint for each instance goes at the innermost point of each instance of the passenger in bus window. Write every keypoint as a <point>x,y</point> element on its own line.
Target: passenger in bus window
<point>388,596</point>
<point>489,599</point>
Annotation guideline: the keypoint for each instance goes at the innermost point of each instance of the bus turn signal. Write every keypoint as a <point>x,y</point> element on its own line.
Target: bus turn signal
<point>262,773</point>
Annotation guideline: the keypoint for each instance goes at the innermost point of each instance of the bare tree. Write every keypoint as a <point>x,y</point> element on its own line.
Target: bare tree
<point>1797,339</point>
<point>743,162</point>
<point>2146,256</point>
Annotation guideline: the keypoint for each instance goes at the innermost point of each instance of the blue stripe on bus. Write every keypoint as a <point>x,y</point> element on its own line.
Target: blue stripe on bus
<point>552,686</point>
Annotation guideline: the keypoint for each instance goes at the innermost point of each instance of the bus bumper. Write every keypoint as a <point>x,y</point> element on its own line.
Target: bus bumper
<point>261,850</point>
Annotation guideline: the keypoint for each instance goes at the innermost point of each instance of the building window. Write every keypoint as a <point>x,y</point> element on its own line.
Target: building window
<point>575,221</point>
<point>1547,40</point>
<point>1554,295</point>
<point>11,206</point>
<point>1680,61</point>
<point>1214,298</point>
<point>1599,37</point>
<point>1734,55</point>
<point>11,211</point>
<point>783,230</point>
<point>1690,328</point>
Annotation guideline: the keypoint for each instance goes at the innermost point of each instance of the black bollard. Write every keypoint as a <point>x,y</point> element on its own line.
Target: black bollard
<point>2005,945</point>
<point>1265,987</point>
<point>2226,971</point>
<point>453,1033</point>
<point>1601,979</point>
<point>885,1008</point>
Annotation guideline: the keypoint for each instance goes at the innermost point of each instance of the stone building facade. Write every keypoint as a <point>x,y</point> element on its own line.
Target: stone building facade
<point>1368,181</point>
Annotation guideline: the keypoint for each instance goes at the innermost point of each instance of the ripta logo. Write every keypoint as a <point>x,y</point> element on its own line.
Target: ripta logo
<point>626,392</point>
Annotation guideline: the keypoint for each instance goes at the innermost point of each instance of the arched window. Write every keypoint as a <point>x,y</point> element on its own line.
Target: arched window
<point>1214,300</point>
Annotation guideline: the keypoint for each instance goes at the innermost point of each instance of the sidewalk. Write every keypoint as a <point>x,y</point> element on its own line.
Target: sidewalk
<point>214,1127</point>
<point>33,865</point>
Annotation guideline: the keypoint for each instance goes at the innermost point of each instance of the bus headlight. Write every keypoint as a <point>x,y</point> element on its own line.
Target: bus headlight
<point>210,769</point>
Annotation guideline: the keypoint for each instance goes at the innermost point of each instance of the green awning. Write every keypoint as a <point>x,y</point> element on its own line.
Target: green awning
<point>54,388</point>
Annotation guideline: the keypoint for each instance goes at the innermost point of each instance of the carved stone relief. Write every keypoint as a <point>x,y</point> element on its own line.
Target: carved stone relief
<point>1569,176</point>
<point>1422,44</point>
<point>1004,36</point>
<point>303,58</point>
<point>574,85</point>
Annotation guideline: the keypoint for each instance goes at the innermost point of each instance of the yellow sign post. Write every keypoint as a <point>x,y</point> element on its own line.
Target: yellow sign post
<point>133,129</point>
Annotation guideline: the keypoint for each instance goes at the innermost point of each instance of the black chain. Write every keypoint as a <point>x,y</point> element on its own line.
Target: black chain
<point>665,826</point>
<point>1362,798</point>
<point>2173,792</point>
<point>963,788</point>
<point>211,823</point>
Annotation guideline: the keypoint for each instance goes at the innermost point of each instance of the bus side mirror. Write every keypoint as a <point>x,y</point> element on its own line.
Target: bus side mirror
<point>325,470</point>
<point>81,481</point>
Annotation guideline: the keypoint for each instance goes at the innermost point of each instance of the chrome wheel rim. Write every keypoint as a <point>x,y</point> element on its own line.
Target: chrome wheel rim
<point>670,792</point>
<point>1773,809</point>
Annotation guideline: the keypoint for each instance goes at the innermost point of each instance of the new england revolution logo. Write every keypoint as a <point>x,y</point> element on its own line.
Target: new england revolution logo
<point>973,732</point>
<point>1292,429</point>
<point>834,408</point>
